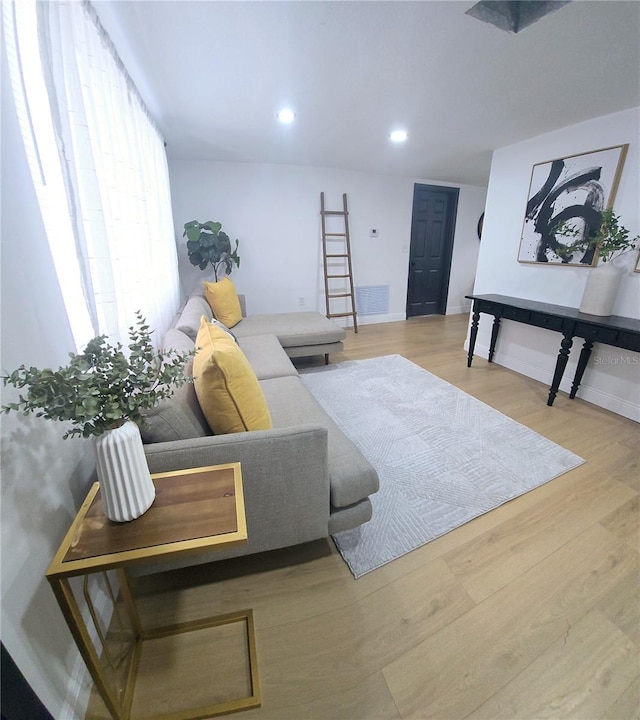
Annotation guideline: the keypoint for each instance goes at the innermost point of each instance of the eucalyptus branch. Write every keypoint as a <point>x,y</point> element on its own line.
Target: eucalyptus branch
<point>101,388</point>
<point>610,241</point>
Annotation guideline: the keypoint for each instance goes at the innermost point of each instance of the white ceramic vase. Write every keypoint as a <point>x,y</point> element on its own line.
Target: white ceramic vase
<point>601,289</point>
<point>125,483</point>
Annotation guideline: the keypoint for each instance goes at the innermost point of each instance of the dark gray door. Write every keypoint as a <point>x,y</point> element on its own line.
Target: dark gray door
<point>432,226</point>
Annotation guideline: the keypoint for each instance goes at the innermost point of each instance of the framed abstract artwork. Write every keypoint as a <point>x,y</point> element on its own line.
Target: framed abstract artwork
<point>573,190</point>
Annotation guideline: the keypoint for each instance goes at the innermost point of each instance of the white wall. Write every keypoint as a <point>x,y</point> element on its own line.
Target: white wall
<point>611,379</point>
<point>274,211</point>
<point>44,478</point>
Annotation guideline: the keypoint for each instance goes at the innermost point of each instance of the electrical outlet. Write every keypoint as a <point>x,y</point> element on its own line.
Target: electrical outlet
<point>301,302</point>
<point>373,232</point>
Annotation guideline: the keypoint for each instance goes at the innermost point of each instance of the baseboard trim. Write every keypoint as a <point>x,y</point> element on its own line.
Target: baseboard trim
<point>374,319</point>
<point>397,317</point>
<point>605,400</point>
<point>459,309</point>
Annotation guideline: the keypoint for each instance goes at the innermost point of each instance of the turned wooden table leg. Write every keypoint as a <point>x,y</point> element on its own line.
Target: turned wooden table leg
<point>474,334</point>
<point>585,354</point>
<point>561,364</point>
<point>494,337</point>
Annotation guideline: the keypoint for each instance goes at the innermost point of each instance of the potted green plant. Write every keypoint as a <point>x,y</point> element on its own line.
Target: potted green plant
<point>104,393</point>
<point>609,242</point>
<point>207,244</point>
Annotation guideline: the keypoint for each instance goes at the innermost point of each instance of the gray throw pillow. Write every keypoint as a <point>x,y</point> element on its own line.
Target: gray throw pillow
<point>222,326</point>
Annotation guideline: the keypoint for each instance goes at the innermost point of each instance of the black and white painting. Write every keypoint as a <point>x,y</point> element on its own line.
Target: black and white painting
<point>569,192</point>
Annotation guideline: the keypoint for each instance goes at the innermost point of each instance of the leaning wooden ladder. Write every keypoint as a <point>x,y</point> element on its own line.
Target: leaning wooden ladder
<point>347,293</point>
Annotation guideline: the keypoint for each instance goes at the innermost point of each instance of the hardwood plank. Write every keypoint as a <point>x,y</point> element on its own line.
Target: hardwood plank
<point>367,700</point>
<point>621,605</point>
<point>627,706</point>
<point>195,669</point>
<point>624,522</point>
<point>161,604</point>
<point>306,583</point>
<point>340,648</point>
<point>579,676</point>
<point>496,558</point>
<point>450,674</point>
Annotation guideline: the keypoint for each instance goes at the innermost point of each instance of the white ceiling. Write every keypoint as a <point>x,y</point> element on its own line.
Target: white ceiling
<point>214,74</point>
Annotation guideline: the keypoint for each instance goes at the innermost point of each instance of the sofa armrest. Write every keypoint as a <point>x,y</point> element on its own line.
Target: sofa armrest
<point>284,473</point>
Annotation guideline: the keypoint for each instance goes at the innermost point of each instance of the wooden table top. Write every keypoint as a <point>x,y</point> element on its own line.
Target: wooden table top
<point>193,510</point>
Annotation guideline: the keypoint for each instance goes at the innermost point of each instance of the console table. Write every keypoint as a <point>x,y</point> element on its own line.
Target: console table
<point>622,332</point>
<point>194,510</point>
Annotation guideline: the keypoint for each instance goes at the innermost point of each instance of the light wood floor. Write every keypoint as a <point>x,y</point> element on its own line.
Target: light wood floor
<point>530,611</point>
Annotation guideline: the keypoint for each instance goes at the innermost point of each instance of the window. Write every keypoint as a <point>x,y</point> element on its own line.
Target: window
<point>99,168</point>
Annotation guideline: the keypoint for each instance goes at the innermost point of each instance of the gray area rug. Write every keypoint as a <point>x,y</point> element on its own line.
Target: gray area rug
<point>443,457</point>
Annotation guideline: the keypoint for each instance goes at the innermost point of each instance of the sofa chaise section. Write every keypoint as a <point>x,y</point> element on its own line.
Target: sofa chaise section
<point>300,334</point>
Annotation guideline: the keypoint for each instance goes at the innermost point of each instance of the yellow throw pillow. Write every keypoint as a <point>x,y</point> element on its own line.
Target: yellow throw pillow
<point>223,299</point>
<point>228,391</point>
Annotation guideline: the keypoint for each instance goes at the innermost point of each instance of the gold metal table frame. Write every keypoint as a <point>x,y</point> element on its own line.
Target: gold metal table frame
<point>204,508</point>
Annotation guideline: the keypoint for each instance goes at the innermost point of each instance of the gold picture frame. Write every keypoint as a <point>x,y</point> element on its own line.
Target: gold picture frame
<point>574,188</point>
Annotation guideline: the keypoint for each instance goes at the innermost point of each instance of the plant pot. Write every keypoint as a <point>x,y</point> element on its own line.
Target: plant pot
<point>125,483</point>
<point>601,289</point>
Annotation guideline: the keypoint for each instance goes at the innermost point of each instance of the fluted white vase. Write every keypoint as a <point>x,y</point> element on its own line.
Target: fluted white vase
<point>601,289</point>
<point>125,483</point>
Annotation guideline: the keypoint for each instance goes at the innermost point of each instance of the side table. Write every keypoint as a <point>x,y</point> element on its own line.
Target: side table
<point>195,510</point>
<point>613,330</point>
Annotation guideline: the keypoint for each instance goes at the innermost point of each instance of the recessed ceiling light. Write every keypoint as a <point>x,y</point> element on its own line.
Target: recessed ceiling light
<point>286,116</point>
<point>398,136</point>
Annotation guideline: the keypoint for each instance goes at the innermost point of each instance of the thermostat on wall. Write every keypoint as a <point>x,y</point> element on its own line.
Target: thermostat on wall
<point>373,232</point>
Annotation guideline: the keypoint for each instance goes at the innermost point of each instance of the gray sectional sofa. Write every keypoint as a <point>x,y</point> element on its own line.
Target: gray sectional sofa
<point>300,334</point>
<point>303,479</point>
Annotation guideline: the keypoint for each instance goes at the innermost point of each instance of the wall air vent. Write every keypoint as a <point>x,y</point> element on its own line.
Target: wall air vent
<point>372,299</point>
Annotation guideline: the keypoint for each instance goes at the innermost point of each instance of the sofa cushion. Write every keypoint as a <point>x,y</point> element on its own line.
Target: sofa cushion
<point>177,340</point>
<point>189,320</point>
<point>222,326</point>
<point>179,417</point>
<point>226,386</point>
<point>351,516</point>
<point>266,356</point>
<point>223,299</point>
<point>292,329</point>
<point>352,478</point>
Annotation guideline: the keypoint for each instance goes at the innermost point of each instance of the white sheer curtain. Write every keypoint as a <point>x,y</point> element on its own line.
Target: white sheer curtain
<point>114,173</point>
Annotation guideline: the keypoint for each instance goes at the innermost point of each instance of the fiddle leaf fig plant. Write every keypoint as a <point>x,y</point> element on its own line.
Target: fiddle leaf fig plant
<point>609,242</point>
<point>101,388</point>
<point>208,244</point>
